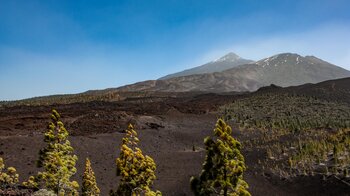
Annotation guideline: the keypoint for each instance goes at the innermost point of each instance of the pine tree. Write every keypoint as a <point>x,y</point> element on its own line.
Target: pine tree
<point>89,186</point>
<point>137,171</point>
<point>8,177</point>
<point>223,168</point>
<point>57,159</point>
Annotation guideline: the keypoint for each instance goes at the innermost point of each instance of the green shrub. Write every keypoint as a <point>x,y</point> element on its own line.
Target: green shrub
<point>8,177</point>
<point>137,171</point>
<point>223,167</point>
<point>58,161</point>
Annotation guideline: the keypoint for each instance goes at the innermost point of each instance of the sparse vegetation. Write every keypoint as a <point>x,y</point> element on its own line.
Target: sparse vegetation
<point>288,112</point>
<point>65,99</point>
<point>223,167</point>
<point>137,171</point>
<point>284,136</point>
<point>108,95</point>
<point>301,135</point>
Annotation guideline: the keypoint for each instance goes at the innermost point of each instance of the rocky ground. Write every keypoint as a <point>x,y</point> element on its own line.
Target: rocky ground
<point>168,130</point>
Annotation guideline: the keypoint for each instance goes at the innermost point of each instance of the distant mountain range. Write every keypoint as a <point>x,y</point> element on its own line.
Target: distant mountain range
<point>223,75</point>
<point>233,73</point>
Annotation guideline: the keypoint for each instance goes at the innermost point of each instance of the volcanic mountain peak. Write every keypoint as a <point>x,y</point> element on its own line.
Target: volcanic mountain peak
<point>230,57</point>
<point>226,62</point>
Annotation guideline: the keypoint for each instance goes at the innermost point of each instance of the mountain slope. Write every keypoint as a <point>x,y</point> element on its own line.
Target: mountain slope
<point>292,69</point>
<point>283,70</point>
<point>331,90</point>
<point>228,61</point>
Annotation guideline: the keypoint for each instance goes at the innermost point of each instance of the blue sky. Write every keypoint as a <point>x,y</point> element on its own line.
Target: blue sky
<point>63,46</point>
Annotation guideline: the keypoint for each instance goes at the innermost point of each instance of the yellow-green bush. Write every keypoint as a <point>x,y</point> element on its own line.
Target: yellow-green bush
<point>89,186</point>
<point>223,167</point>
<point>137,171</point>
<point>8,177</point>
<point>57,160</point>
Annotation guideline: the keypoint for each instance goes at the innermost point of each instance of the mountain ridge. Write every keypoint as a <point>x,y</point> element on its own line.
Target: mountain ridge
<point>243,78</point>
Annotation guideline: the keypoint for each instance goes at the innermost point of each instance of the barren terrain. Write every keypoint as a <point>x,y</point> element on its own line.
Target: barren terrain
<point>168,129</point>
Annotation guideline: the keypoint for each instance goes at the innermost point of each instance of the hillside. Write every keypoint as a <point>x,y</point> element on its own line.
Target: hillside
<point>301,135</point>
<point>292,69</point>
<point>331,90</point>
<point>328,90</point>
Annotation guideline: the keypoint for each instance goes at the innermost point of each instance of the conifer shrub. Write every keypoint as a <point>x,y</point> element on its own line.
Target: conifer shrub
<point>57,160</point>
<point>137,171</point>
<point>223,167</point>
<point>8,176</point>
<point>89,186</point>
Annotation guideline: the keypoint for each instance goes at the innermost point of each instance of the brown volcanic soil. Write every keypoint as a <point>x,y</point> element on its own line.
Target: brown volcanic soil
<point>167,129</point>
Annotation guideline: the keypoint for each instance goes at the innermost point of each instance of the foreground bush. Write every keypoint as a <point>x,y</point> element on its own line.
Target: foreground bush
<point>58,161</point>
<point>223,167</point>
<point>137,171</point>
<point>8,177</point>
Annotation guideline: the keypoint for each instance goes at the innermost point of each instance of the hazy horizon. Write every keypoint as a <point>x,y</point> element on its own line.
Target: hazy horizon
<point>64,47</point>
